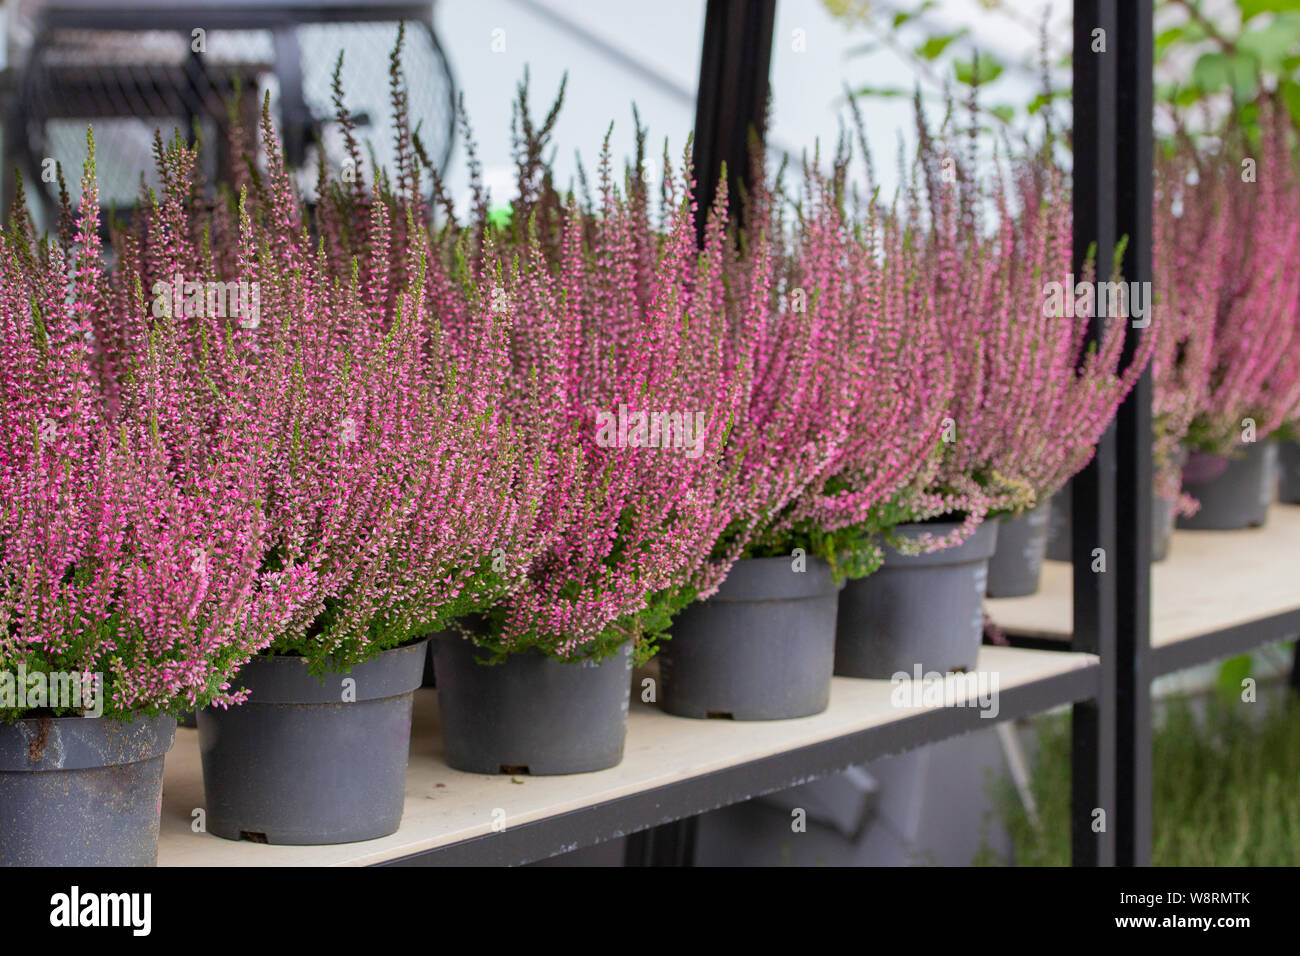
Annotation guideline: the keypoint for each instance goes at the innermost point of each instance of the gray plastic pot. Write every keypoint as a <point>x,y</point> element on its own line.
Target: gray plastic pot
<point>762,648</point>
<point>1288,477</point>
<point>1017,563</point>
<point>1234,492</point>
<point>297,763</point>
<point>531,714</point>
<point>925,609</point>
<point>82,791</point>
<point>1058,526</point>
<point>427,678</point>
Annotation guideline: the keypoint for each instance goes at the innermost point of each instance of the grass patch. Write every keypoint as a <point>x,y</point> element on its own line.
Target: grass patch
<point>1225,788</point>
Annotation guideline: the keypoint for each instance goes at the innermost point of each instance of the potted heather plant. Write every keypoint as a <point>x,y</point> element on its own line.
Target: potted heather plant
<point>131,591</point>
<point>1029,404</point>
<point>1086,387</point>
<point>1245,233</point>
<point>1180,363</point>
<point>1179,374</point>
<point>390,473</point>
<point>515,476</point>
<point>613,326</point>
<point>836,413</point>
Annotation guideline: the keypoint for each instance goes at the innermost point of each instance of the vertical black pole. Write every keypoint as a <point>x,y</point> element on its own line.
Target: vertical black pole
<point>1134,161</point>
<point>1093,493</point>
<point>669,844</point>
<point>732,99</point>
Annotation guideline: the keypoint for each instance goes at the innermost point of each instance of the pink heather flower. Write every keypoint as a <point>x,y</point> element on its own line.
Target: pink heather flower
<point>118,555</point>
<point>628,317</point>
<point>844,385</point>
<point>1029,399</point>
<point>1225,244</point>
<point>390,468</point>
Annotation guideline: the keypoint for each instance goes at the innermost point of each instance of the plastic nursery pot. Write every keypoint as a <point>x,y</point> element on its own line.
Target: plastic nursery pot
<point>427,678</point>
<point>1288,478</point>
<point>1234,492</point>
<point>1017,562</point>
<point>82,791</point>
<point>924,609</point>
<point>430,677</point>
<point>762,648</point>
<point>531,714</point>
<point>306,762</point>
<point>1058,527</point>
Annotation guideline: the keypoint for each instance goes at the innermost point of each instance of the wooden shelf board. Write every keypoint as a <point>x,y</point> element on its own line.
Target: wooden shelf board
<point>1211,581</point>
<point>444,806</point>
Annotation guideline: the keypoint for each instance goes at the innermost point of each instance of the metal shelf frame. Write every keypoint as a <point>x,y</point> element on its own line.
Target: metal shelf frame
<point>1112,145</point>
<point>1110,692</point>
<point>1113,181</point>
<point>1224,642</point>
<point>656,817</point>
<point>1112,108</point>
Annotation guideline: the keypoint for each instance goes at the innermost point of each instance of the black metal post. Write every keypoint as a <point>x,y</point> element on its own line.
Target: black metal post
<point>669,844</point>
<point>1093,494</point>
<point>1134,158</point>
<point>732,98</point>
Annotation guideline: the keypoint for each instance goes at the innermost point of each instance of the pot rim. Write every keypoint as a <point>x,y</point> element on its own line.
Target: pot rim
<point>285,678</point>
<point>83,743</point>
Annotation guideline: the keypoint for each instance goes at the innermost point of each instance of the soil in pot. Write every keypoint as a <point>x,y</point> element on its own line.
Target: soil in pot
<point>925,609</point>
<point>1234,493</point>
<point>82,791</point>
<point>1017,562</point>
<point>531,714</point>
<point>762,648</point>
<point>305,762</point>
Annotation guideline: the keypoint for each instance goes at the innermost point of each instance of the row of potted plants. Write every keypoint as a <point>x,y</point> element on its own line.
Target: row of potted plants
<point>542,443</point>
<point>1226,396</point>
<point>1240,366</point>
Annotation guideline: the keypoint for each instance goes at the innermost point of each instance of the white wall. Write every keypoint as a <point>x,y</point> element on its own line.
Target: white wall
<point>664,37</point>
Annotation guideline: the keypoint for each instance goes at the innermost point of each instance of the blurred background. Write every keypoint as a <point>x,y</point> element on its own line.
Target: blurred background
<point>130,68</point>
<point>136,66</point>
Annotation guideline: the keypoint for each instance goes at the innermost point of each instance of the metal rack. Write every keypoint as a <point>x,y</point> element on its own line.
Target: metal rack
<point>1113,613</point>
<point>676,769</point>
<point>1087,640</point>
<point>673,769</point>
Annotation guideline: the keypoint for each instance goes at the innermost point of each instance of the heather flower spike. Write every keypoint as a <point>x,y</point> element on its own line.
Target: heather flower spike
<point>129,545</point>
<point>1029,399</point>
<point>1223,254</point>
